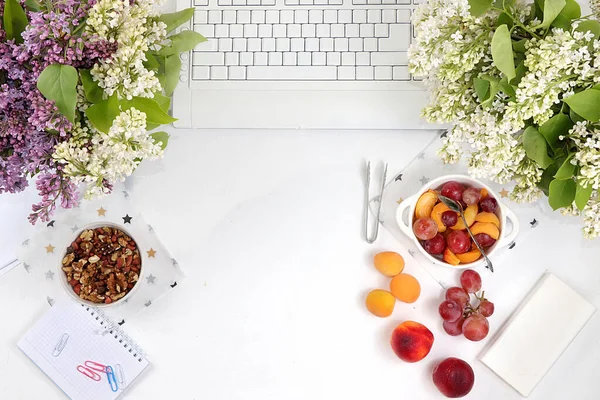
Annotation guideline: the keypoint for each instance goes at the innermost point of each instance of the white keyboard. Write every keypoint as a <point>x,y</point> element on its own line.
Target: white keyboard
<point>302,40</point>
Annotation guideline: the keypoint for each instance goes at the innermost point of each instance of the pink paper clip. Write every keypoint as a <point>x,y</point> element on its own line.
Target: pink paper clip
<point>89,373</point>
<point>93,365</point>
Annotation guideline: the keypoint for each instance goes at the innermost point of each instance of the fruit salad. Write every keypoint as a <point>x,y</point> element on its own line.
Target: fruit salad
<point>443,233</point>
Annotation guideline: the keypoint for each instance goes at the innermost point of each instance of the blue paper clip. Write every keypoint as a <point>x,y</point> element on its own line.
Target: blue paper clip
<point>112,380</point>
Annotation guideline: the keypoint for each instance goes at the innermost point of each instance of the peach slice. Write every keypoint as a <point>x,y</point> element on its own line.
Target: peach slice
<point>425,204</point>
<point>487,217</point>
<point>451,258</point>
<point>469,257</point>
<point>484,193</point>
<point>470,215</point>
<point>436,215</point>
<point>486,227</point>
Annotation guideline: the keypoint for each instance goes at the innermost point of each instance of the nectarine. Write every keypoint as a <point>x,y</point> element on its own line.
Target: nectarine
<point>453,377</point>
<point>411,341</point>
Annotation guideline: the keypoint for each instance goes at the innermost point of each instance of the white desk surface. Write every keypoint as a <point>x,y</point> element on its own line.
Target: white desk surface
<point>268,227</point>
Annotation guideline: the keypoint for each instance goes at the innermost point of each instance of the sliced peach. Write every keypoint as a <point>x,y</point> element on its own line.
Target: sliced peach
<point>436,215</point>
<point>470,214</point>
<point>486,227</point>
<point>487,217</point>
<point>469,256</point>
<point>425,204</point>
<point>451,258</point>
<point>484,193</point>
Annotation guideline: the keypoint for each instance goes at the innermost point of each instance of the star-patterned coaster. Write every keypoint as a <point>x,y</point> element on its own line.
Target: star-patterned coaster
<point>40,255</point>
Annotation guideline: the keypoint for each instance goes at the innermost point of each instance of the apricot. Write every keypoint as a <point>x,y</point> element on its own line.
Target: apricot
<point>450,257</point>
<point>389,263</point>
<point>405,288</point>
<point>470,215</point>
<point>380,303</point>
<point>425,204</point>
<point>411,341</point>
<point>436,215</point>
<point>469,256</point>
<point>486,227</point>
<point>488,217</point>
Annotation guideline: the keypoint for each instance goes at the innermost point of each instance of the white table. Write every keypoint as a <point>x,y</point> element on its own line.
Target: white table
<point>268,227</point>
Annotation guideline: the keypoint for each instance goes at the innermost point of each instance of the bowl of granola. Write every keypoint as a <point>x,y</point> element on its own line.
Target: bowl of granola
<point>101,266</point>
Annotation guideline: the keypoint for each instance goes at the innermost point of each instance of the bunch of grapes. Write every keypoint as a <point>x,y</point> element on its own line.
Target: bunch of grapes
<point>458,313</point>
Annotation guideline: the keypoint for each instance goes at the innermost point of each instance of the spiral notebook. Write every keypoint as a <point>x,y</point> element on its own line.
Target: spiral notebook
<point>88,356</point>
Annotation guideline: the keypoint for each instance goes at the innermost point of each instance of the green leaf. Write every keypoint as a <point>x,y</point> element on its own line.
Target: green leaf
<point>551,10</point>
<point>93,92</point>
<point>575,118</point>
<point>172,69</point>
<point>562,22</point>
<point>519,45</point>
<point>561,193</point>
<point>586,104</point>
<point>572,10</point>
<point>478,7</point>
<point>58,82</point>
<point>151,62</point>
<point>507,88</point>
<point>15,20</point>
<point>591,26</point>
<point>163,102</point>
<point>582,195</point>
<point>153,111</point>
<point>102,114</point>
<point>554,127</point>
<point>33,5</point>
<point>536,147</point>
<point>173,20</point>
<point>183,41</point>
<point>520,73</point>
<point>162,138</point>
<point>502,52</point>
<point>547,177</point>
<point>482,88</point>
<point>505,19</point>
<point>566,170</point>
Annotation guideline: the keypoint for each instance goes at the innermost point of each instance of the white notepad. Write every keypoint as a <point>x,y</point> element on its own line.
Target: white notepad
<point>537,334</point>
<point>69,335</point>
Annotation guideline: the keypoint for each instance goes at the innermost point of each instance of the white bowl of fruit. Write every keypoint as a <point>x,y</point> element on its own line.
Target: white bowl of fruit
<point>440,233</point>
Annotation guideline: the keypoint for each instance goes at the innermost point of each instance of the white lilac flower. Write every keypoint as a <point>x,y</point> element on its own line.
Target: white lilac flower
<point>591,217</point>
<point>587,155</point>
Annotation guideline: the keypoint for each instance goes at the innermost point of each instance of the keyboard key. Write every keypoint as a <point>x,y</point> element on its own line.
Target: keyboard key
<point>363,59</point>
<point>254,44</point>
<point>200,17</point>
<point>319,58</point>
<point>359,2</point>
<point>239,44</point>
<point>315,16</point>
<point>383,73</point>
<point>214,17</point>
<point>253,2</point>
<point>398,40</point>
<point>337,30</point>
<point>275,58</point>
<point>250,30</point>
<point>301,16</point>
<point>229,17</point>
<point>239,2</point>
<point>352,30</point>
<point>243,17</point>
<point>221,31</point>
<point>266,31</point>
<point>341,44</point>
<point>208,31</point>
<point>286,17</point>
<point>261,58</point>
<point>359,16</point>
<point>279,30</point>
<point>246,58</point>
<point>297,44</point>
<point>292,2</point>
<point>367,30</point>
<point>388,2</point>
<point>304,58</point>
<point>321,2</point>
<point>346,73</point>
<point>374,16</point>
<point>306,2</point>
<point>333,58</point>
<point>370,44</point>
<point>292,73</point>
<point>323,30</point>
<point>381,30</point>
<point>348,58</point>
<point>326,44</point>
<point>400,73</point>
<point>330,16</point>
<point>282,44</point>
<point>289,58</point>
<point>355,44</point>
<point>204,58</point>
<point>308,30</point>
<point>371,2</point>
<point>218,73</point>
<point>403,15</point>
<point>267,2</point>
<point>236,31</point>
<point>257,17</point>
<point>209,45</point>
<point>311,44</point>
<point>336,2</point>
<point>272,17</point>
<point>294,31</point>
<point>388,16</point>
<point>389,58</point>
<point>364,73</point>
<point>237,73</point>
<point>232,58</point>
<point>345,16</point>
<point>268,44</point>
<point>225,44</point>
<point>200,2</point>
<point>201,73</point>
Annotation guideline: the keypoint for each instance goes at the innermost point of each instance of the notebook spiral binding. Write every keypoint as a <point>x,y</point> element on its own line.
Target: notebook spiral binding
<point>115,330</point>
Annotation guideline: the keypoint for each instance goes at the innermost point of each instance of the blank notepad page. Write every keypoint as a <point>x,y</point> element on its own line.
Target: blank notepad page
<point>538,333</point>
<point>86,337</point>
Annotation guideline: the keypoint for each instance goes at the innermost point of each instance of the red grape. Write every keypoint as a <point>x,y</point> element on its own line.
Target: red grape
<point>476,327</point>
<point>437,245</point>
<point>450,311</point>
<point>485,240</point>
<point>489,204</point>
<point>486,308</point>
<point>471,196</point>
<point>458,295</point>
<point>449,218</point>
<point>453,377</point>
<point>425,228</point>
<point>454,328</point>
<point>470,280</point>
<point>453,190</point>
<point>458,242</point>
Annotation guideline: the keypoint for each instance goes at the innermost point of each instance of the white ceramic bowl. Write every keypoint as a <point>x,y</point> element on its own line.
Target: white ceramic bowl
<point>405,222</point>
<point>63,276</point>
